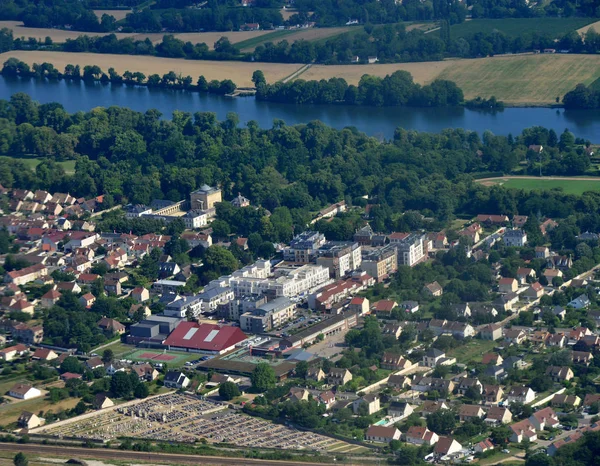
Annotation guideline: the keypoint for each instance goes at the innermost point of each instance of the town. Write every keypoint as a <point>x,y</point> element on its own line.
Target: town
<point>475,343</point>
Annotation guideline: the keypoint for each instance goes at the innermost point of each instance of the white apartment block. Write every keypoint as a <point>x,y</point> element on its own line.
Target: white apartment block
<point>410,248</point>
<point>287,282</point>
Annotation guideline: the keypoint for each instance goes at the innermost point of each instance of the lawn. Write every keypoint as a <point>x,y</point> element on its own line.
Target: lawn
<point>516,26</point>
<point>32,162</point>
<point>569,186</point>
<point>472,351</point>
<point>158,356</point>
<point>11,412</point>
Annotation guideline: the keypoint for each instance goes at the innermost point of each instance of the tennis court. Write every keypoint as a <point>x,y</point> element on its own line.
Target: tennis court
<point>173,359</point>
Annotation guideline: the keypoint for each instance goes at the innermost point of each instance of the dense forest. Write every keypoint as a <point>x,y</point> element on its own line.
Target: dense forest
<point>136,157</point>
<point>186,16</point>
<point>582,97</point>
<point>397,89</point>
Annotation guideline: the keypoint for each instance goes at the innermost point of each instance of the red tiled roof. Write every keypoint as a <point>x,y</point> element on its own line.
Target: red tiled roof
<point>206,337</point>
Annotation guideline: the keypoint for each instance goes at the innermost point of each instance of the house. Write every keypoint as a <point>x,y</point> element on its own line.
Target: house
<point>581,302</point>
<point>525,274</point>
<point>399,410</point>
<point>24,392</point>
<point>382,434</point>
<point>339,377</point>
<point>298,394</point>
<point>429,407</point>
<point>551,274</point>
<point>591,399</point>
<point>466,383</point>
<point>43,354</point>
<point>467,412</point>
<point>557,339</point>
<point>565,401</point>
<point>520,394</point>
<point>176,379</point>
<point>515,238</point>
<point>497,372</point>
<point>507,285</point>
<point>29,420</point>
<point>537,148</point>
<point>398,382</point>
<point>428,384</point>
<point>372,60</point>
<point>560,373</point>
<point>50,298</point>
<point>418,435</point>
<point>12,352</point>
<point>371,401</point>
<point>491,332</point>
<point>492,358</point>
<point>462,310</point>
<point>315,373</point>
<point>140,294</point>
<point>483,446</point>
<point>27,274</point>
<point>384,307</point>
<point>432,357</point>
<point>327,398</point>
<point>102,401</point>
<point>498,415</point>
<point>70,375</point>
<point>535,291</point>
<point>542,252</point>
<point>544,419</point>
<point>113,367</point>
<point>513,362</point>
<point>87,300</point>
<point>93,363</point>
<point>433,289</point>
<point>392,329</point>
<point>439,240</point>
<point>492,219</point>
<point>73,287</point>
<point>359,305</point>
<point>409,306</point>
<point>112,286</point>
<point>519,221</point>
<point>395,362</point>
<point>522,430</point>
<point>111,326</point>
<point>514,336</point>
<point>582,357</point>
<point>446,446</point>
<point>561,262</point>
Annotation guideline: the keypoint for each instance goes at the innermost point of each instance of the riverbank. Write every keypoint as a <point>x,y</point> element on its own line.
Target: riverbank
<point>525,80</point>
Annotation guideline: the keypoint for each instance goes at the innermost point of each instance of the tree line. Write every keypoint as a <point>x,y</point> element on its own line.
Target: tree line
<point>585,97</point>
<point>397,89</point>
<point>15,67</point>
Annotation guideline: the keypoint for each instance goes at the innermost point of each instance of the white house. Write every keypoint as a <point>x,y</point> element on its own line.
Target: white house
<point>24,392</point>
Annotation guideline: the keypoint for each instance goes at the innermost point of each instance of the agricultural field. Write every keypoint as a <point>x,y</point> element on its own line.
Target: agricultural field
<point>575,186</point>
<point>117,14</point>
<point>535,79</point>
<point>57,35</point>
<point>311,34</point>
<point>209,38</point>
<point>517,26</point>
<point>238,72</point>
<point>595,26</point>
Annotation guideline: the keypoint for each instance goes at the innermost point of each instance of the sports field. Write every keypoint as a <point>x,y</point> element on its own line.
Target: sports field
<point>171,358</point>
<point>516,26</point>
<point>568,185</point>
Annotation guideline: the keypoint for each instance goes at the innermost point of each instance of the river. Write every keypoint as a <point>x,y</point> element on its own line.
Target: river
<point>381,122</point>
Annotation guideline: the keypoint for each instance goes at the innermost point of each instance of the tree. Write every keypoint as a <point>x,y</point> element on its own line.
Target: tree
<point>442,422</point>
<point>141,391</point>
<point>107,356</point>
<point>120,385</point>
<point>301,369</point>
<point>80,408</point>
<point>263,377</point>
<point>20,460</point>
<point>500,435</point>
<point>71,364</point>
<point>258,78</point>
<point>229,390</point>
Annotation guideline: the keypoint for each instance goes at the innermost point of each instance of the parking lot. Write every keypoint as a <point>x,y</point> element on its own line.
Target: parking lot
<point>185,418</point>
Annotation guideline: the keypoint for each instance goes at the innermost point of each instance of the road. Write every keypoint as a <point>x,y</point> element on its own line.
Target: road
<point>134,456</point>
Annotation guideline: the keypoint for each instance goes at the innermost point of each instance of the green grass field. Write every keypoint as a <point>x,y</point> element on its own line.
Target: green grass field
<point>516,26</point>
<point>33,162</point>
<point>274,37</point>
<point>568,186</point>
<point>523,79</point>
<point>179,358</point>
<point>472,351</point>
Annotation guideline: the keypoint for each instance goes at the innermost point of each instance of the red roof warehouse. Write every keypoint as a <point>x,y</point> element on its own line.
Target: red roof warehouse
<point>209,338</point>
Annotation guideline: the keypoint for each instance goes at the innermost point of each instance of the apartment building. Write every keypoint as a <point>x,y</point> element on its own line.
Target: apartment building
<point>340,257</point>
<point>303,247</point>
<point>410,247</point>
<point>380,263</point>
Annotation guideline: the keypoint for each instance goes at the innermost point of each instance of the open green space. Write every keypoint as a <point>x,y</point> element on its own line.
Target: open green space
<point>569,186</point>
<point>516,26</point>
<point>472,351</point>
<point>32,162</point>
